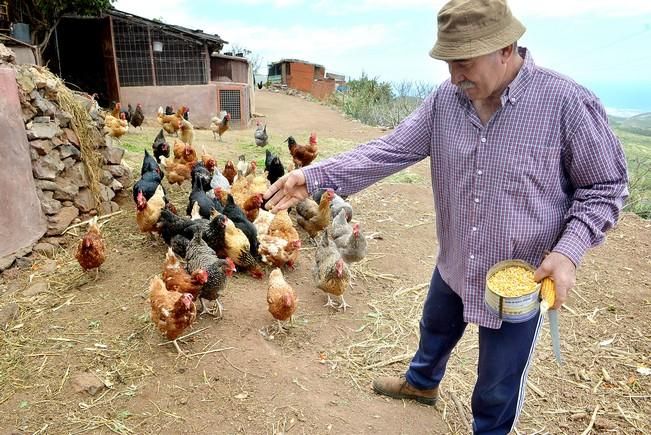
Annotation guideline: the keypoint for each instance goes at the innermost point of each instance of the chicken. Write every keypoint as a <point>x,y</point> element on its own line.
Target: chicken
<point>330,271</point>
<point>241,166</point>
<point>281,298</point>
<point>220,124</point>
<point>160,146</point>
<point>91,251</point>
<point>177,279</point>
<point>206,204</point>
<point>252,206</point>
<point>128,113</point>
<point>229,171</point>
<point>238,248</point>
<point>218,180</point>
<point>263,221</point>
<point>337,204</point>
<point>177,232</point>
<point>177,173</point>
<point>147,184</point>
<point>208,161</point>
<point>313,217</point>
<point>184,153</point>
<point>282,226</point>
<point>237,215</point>
<point>138,117</point>
<point>148,211</point>
<point>201,256</point>
<point>348,239</point>
<point>278,251</point>
<point>273,167</point>
<point>260,134</point>
<point>303,155</point>
<point>187,132</point>
<point>245,187</point>
<point>116,128</point>
<point>171,123</point>
<point>171,312</point>
<point>202,175</point>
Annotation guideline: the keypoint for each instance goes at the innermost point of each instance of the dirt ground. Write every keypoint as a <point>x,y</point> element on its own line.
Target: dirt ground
<point>315,379</point>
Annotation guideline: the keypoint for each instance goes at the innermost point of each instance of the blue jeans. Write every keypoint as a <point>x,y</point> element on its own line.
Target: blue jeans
<point>504,358</point>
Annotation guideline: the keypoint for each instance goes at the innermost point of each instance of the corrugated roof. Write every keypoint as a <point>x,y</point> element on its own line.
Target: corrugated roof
<point>297,61</point>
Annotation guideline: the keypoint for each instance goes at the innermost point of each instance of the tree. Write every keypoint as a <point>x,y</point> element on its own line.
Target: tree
<point>44,16</point>
<point>254,58</point>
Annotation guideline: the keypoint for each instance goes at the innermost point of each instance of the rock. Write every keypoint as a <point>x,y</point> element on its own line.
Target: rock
<point>105,193</point>
<point>44,107</point>
<point>39,79</point>
<point>42,130</point>
<point>28,112</point>
<point>67,203</point>
<point>113,155</point>
<point>61,220</point>
<point>105,208</point>
<point>68,163</point>
<point>84,200</point>
<point>63,117</point>
<point>56,141</point>
<point>77,174</point>
<point>119,171</point>
<point>114,207</point>
<point>36,288</point>
<point>48,267</point>
<point>25,81</point>
<point>106,178</point>
<point>33,155</point>
<point>49,205</point>
<point>116,186</point>
<point>65,189</point>
<point>45,249</point>
<point>42,119</point>
<point>47,167</point>
<point>72,137</point>
<point>68,150</point>
<point>10,311</point>
<point>56,241</point>
<point>86,383</point>
<point>6,262</point>
<point>51,88</point>
<point>7,55</point>
<point>45,185</point>
<point>41,146</point>
<point>24,262</point>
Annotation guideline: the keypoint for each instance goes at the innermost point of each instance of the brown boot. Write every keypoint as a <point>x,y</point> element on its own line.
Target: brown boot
<point>399,388</point>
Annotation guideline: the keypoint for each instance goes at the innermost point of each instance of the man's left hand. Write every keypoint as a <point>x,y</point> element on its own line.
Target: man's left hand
<point>562,271</point>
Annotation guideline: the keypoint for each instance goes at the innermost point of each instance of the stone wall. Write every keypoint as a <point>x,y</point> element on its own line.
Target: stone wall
<point>58,167</point>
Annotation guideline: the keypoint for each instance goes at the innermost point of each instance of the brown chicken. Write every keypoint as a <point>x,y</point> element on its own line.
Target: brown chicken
<point>281,298</point>
<point>220,124</point>
<point>91,251</point>
<point>330,271</point>
<point>187,132</point>
<point>148,211</point>
<point>184,153</point>
<point>303,155</point>
<point>283,227</point>
<point>171,123</point>
<point>278,251</point>
<point>229,171</point>
<point>177,279</point>
<point>245,187</point>
<point>252,206</point>
<point>313,217</point>
<point>263,221</point>
<point>208,161</point>
<point>116,127</point>
<point>238,248</point>
<point>176,173</point>
<point>171,312</point>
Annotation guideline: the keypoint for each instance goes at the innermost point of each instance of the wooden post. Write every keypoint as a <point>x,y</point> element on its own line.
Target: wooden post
<point>151,57</point>
<point>115,57</point>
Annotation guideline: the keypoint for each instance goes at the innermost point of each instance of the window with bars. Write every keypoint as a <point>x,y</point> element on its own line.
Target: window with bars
<point>181,61</point>
<point>229,100</point>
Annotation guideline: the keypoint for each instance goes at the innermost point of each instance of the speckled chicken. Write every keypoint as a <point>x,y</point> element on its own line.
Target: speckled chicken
<point>330,271</point>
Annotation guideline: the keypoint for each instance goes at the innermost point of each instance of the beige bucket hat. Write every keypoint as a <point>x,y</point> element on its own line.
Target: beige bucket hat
<point>472,28</point>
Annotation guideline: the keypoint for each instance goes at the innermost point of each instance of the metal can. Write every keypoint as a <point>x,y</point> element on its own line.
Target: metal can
<point>515,309</point>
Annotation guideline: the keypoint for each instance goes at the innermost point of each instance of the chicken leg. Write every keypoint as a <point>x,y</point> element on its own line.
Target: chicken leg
<point>343,304</point>
<point>331,303</point>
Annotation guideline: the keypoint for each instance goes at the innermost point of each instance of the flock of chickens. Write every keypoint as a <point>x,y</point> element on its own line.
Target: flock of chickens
<point>226,228</point>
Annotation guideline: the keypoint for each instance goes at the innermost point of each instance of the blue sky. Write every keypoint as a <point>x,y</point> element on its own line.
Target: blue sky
<point>603,44</point>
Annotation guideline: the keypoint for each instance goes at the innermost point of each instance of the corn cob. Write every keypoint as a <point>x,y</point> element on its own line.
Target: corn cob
<point>547,294</point>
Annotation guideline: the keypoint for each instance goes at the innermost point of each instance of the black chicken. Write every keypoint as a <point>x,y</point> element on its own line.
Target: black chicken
<point>206,204</point>
<point>237,215</point>
<point>202,175</point>
<point>274,167</point>
<point>149,164</point>
<point>160,146</point>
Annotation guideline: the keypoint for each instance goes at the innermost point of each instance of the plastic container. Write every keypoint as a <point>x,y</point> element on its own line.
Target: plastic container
<point>515,309</point>
<point>20,31</point>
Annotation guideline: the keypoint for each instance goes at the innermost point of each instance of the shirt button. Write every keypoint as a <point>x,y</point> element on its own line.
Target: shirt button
<point>483,140</point>
<point>476,199</point>
<point>474,229</point>
<point>479,172</point>
<point>472,257</point>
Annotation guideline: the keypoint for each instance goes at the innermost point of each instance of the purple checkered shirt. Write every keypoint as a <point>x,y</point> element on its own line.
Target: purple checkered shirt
<point>545,173</point>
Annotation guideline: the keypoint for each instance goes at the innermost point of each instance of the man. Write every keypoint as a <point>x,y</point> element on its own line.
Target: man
<point>523,163</point>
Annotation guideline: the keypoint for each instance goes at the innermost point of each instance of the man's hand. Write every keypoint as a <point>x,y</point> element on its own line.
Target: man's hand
<point>287,191</point>
<point>562,271</point>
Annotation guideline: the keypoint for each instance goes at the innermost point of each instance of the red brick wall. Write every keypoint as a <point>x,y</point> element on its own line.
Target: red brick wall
<point>301,76</point>
<point>322,89</point>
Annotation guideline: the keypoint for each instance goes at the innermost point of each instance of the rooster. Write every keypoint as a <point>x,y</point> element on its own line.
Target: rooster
<point>220,124</point>
<point>330,271</point>
<point>171,312</point>
<point>148,211</point>
<point>91,251</point>
<point>200,256</point>
<point>281,298</point>
<point>260,134</point>
<point>303,155</point>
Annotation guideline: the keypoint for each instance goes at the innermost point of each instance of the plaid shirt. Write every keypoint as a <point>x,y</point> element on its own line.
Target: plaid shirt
<point>545,173</point>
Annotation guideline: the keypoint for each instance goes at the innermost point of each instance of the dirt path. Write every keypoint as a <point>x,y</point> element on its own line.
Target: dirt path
<point>315,379</point>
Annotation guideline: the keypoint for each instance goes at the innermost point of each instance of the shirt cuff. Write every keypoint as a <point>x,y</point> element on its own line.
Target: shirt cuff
<point>314,180</point>
<point>573,246</point>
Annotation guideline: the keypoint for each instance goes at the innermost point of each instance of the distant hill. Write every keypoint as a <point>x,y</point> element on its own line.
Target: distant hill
<point>639,124</point>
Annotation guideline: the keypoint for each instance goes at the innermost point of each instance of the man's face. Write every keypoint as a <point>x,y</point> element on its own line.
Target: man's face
<point>479,77</point>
